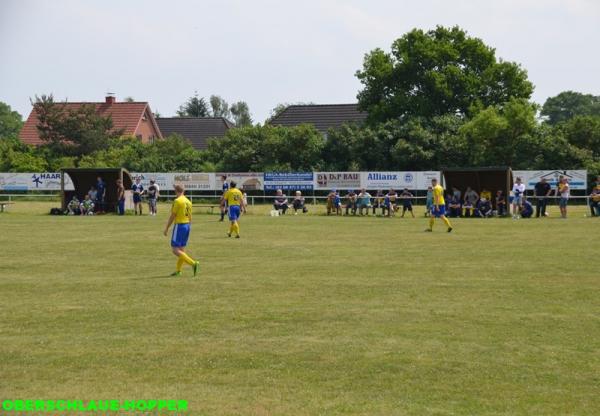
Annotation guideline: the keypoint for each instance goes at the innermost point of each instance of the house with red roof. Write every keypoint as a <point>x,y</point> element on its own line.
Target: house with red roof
<point>134,118</point>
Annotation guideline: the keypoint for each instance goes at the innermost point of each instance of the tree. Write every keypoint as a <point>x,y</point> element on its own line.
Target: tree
<point>72,131</point>
<point>583,132</point>
<point>129,99</point>
<point>10,122</point>
<point>569,104</point>
<point>442,71</point>
<point>219,106</point>
<point>241,114</point>
<point>194,107</point>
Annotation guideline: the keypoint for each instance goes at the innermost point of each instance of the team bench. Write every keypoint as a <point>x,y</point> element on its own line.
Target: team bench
<point>4,204</point>
<point>208,207</point>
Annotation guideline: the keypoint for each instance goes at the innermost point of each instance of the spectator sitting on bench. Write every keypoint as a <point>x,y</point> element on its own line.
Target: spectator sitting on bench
<point>595,199</point>
<point>351,199</point>
<point>378,202</point>
<point>87,206</point>
<point>364,201</point>
<point>471,196</point>
<point>526,208</point>
<point>93,193</point>
<point>468,207</point>
<point>281,202</point>
<point>484,208</point>
<point>454,207</point>
<point>298,203</point>
<point>73,207</point>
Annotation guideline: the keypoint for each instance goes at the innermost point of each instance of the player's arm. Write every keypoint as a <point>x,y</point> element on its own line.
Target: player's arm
<point>169,222</point>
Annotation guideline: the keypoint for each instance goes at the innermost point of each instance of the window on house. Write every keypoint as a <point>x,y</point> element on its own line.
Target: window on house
<point>139,137</point>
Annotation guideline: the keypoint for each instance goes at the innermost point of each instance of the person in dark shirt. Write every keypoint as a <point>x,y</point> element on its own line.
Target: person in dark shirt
<point>542,191</point>
<point>484,208</point>
<point>526,209</point>
<point>500,203</point>
<point>406,198</point>
<point>100,194</point>
<point>152,196</point>
<point>281,202</point>
<point>454,207</point>
<point>351,199</point>
<point>120,197</point>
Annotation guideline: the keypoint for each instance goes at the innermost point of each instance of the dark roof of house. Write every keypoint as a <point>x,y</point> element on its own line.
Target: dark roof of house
<point>196,130</point>
<point>322,116</point>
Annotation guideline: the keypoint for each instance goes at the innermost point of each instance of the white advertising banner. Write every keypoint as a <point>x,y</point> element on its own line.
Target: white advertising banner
<point>337,180</point>
<point>246,181</point>
<point>424,179</point>
<point>191,181</point>
<point>38,181</point>
<point>577,178</point>
<point>389,180</point>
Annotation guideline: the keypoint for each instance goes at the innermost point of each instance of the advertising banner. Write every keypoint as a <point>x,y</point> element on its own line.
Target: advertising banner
<point>577,178</point>
<point>302,181</point>
<point>38,181</point>
<point>337,180</point>
<point>389,180</point>
<point>424,179</point>
<point>246,181</point>
<point>165,181</point>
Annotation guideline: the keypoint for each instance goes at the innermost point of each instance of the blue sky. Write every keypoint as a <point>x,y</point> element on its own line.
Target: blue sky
<point>268,52</point>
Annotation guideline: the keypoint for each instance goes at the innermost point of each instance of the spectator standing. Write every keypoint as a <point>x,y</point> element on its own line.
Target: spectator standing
<point>298,203</point>
<point>153,194</point>
<point>364,201</point>
<point>120,197</point>
<point>500,203</point>
<point>100,194</point>
<point>595,199</point>
<point>526,208</point>
<point>137,188</point>
<point>542,191</point>
<point>456,192</point>
<point>565,192</point>
<point>407,197</point>
<point>281,202</point>
<point>225,188</point>
<point>245,202</point>
<point>429,201</point>
<point>390,202</point>
<point>518,191</point>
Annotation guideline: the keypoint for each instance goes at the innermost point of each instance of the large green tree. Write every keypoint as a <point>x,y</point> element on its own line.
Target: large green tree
<point>569,104</point>
<point>72,131</point>
<point>10,122</point>
<point>241,114</point>
<point>442,71</point>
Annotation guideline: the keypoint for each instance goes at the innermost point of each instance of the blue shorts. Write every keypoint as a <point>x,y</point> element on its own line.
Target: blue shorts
<point>563,202</point>
<point>137,198</point>
<point>181,233</point>
<point>234,212</point>
<point>439,211</point>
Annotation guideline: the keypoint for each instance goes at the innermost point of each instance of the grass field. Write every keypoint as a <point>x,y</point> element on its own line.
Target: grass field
<point>304,314</point>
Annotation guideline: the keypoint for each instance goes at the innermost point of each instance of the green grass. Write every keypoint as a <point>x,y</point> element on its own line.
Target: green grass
<point>304,314</point>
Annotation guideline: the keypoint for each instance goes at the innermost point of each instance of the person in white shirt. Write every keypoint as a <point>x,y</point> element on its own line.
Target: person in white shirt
<point>518,192</point>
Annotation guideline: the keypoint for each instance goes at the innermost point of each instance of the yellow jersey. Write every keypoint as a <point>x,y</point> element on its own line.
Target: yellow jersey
<point>233,196</point>
<point>438,195</point>
<point>182,208</point>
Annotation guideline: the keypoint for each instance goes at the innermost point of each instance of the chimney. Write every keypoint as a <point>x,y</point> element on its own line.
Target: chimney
<point>110,98</point>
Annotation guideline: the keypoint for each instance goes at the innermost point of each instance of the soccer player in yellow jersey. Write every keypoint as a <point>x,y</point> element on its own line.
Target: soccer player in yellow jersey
<point>439,206</point>
<point>181,215</point>
<point>235,201</point>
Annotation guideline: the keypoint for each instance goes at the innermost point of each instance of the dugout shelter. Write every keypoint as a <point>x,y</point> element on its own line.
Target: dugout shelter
<point>83,179</point>
<point>491,178</point>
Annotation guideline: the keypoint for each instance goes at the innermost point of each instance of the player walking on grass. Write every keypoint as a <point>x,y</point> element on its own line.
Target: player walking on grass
<point>181,216</point>
<point>439,206</point>
<point>234,199</point>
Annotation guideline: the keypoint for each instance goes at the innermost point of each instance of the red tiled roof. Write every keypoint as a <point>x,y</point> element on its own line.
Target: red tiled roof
<point>124,115</point>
